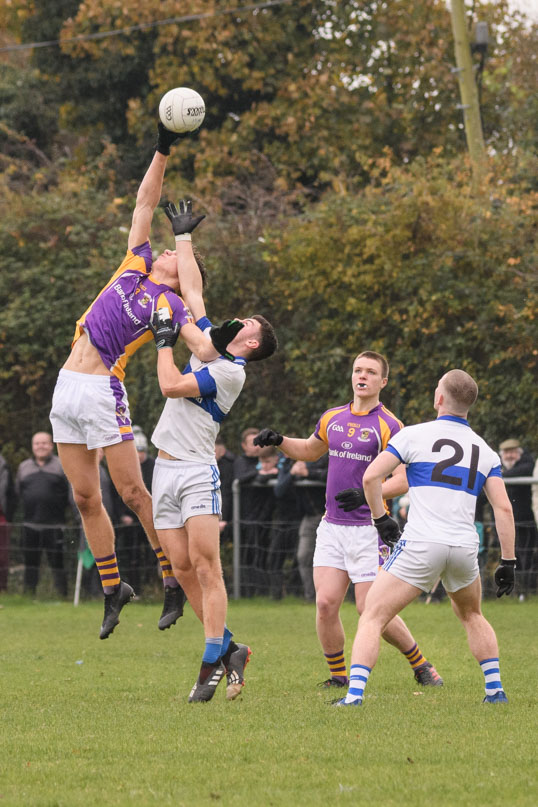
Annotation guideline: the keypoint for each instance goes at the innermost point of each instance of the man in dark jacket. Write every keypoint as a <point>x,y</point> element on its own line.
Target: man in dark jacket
<point>517,462</point>
<point>257,504</point>
<point>284,531</point>
<point>311,504</point>
<point>43,490</point>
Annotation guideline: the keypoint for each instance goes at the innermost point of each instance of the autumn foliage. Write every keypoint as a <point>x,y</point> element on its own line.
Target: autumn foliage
<point>333,172</point>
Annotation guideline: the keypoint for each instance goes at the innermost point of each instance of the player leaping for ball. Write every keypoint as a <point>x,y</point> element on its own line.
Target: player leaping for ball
<point>90,408</point>
<point>186,483</point>
<point>348,547</point>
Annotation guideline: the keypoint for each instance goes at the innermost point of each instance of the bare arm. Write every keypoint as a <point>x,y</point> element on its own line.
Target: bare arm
<point>197,343</point>
<point>397,485</point>
<point>172,383</point>
<point>147,199</point>
<point>503,514</point>
<point>190,279</point>
<point>299,448</point>
<point>374,488</point>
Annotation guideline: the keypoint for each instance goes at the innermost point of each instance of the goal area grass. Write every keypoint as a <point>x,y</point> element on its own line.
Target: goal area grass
<point>86,722</point>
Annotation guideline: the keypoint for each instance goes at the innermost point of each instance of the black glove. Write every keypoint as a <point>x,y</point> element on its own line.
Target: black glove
<point>350,499</point>
<point>388,529</point>
<point>163,329</point>
<point>165,138</point>
<point>222,335</point>
<point>505,577</point>
<point>184,221</point>
<point>268,437</point>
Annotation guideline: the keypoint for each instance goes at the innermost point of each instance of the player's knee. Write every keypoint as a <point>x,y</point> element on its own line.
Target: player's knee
<point>88,503</point>
<point>327,606</point>
<point>208,571</point>
<point>134,496</point>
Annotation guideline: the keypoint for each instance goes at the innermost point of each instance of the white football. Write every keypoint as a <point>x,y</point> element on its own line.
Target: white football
<point>181,110</point>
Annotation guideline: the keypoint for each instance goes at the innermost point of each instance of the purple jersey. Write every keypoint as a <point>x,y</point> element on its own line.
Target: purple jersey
<point>354,440</point>
<point>117,322</point>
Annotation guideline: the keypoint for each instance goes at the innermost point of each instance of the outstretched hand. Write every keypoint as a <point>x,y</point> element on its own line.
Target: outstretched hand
<point>183,220</point>
<point>268,437</point>
<point>166,138</point>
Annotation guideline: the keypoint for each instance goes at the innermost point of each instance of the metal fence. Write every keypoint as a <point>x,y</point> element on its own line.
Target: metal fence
<point>54,565</point>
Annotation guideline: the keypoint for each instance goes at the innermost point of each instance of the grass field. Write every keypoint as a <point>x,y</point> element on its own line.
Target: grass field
<point>86,722</point>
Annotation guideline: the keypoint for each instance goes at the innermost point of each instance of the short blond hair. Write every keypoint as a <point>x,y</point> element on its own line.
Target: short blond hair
<point>460,388</point>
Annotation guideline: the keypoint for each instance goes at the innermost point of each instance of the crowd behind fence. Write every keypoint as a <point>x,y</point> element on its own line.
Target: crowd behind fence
<point>259,558</point>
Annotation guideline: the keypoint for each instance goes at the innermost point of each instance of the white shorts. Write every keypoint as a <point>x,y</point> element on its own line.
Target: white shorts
<point>356,550</point>
<point>422,563</point>
<point>181,490</point>
<point>90,410</point>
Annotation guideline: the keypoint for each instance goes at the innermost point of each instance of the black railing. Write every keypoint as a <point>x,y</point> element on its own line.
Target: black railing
<point>259,557</point>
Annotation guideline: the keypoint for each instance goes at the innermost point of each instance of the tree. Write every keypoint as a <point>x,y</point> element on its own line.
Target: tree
<point>418,268</point>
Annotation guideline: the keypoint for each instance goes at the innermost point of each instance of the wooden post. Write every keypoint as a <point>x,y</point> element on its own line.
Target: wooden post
<point>468,89</point>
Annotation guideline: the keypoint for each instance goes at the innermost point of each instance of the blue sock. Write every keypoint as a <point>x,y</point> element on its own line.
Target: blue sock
<point>226,640</point>
<point>212,650</point>
<point>492,675</point>
<point>358,676</point>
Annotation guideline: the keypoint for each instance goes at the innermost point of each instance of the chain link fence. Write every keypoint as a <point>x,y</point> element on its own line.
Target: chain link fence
<point>259,558</point>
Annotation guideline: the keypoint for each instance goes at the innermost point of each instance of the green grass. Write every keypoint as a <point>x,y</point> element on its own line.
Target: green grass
<point>86,722</point>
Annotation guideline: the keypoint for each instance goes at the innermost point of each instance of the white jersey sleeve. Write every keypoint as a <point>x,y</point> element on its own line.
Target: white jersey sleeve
<point>447,467</point>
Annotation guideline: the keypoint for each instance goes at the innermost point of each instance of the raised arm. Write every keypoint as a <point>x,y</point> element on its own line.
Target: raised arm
<point>190,278</point>
<point>165,332</point>
<point>149,192</point>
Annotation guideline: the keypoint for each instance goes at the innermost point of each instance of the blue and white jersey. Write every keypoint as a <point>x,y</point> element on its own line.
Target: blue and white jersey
<point>188,427</point>
<point>447,466</point>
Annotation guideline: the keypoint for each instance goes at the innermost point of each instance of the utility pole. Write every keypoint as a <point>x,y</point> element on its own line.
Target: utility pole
<point>468,88</point>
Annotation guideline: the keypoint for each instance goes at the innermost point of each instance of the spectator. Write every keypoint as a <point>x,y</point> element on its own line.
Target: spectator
<point>401,508</point>
<point>44,492</point>
<point>7,508</point>
<point>245,470</point>
<point>225,462</point>
<point>257,505</point>
<point>267,469</point>
<point>311,505</point>
<point>517,462</point>
<point>285,529</point>
<point>134,552</point>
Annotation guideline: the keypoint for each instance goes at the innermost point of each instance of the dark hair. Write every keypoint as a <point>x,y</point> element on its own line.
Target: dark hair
<point>268,341</point>
<point>371,354</point>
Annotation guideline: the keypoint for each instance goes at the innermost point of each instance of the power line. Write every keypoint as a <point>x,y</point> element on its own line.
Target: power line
<point>143,26</point>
